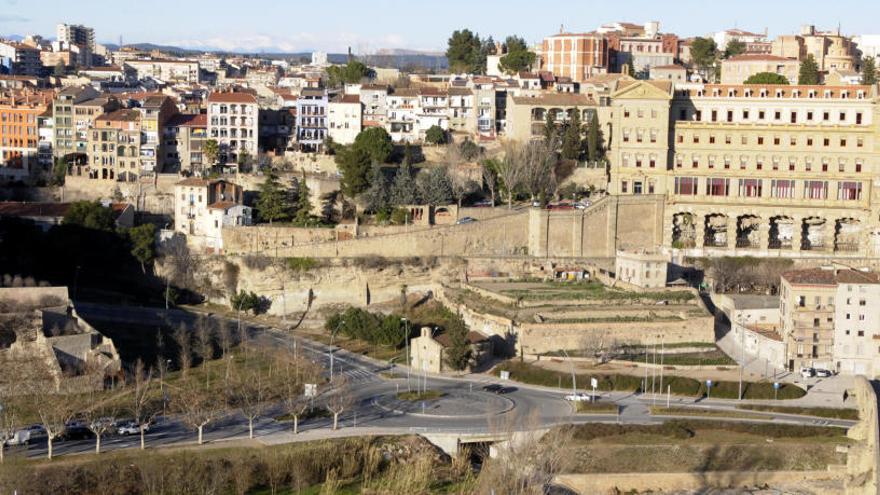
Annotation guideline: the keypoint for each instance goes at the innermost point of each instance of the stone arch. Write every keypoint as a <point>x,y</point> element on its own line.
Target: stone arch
<point>813,234</point>
<point>539,113</point>
<point>120,151</point>
<point>684,230</point>
<point>558,114</point>
<point>748,231</point>
<point>781,232</point>
<point>716,230</point>
<point>846,235</point>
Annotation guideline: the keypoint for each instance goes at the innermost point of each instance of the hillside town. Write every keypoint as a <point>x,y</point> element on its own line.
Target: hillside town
<point>612,260</point>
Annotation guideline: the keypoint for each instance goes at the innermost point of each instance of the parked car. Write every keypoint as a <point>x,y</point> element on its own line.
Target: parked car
<point>536,204</point>
<point>76,432</point>
<point>578,397</point>
<point>808,372</point>
<point>26,436</point>
<point>464,220</point>
<point>823,373</point>
<point>131,428</point>
<point>492,387</point>
<point>583,205</point>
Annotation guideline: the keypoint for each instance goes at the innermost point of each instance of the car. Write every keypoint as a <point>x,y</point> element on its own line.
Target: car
<point>27,435</point>
<point>583,205</point>
<point>131,428</point>
<point>808,372</point>
<point>464,220</point>
<point>486,203</point>
<point>505,390</point>
<point>76,432</point>
<point>578,397</point>
<point>536,204</point>
<point>823,373</point>
<point>492,387</point>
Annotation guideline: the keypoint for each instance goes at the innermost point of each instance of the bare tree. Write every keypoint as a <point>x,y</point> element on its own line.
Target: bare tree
<point>461,184</point>
<point>183,339</point>
<point>251,391</point>
<point>205,345</point>
<point>144,408</point>
<point>11,390</point>
<point>539,161</point>
<point>100,412</point>
<point>528,462</point>
<point>198,407</point>
<point>511,170</point>
<point>226,340</point>
<point>338,398</point>
<point>489,172</point>
<point>54,400</point>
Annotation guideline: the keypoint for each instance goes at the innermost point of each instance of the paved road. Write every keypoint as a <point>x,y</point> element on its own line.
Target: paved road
<point>528,406</point>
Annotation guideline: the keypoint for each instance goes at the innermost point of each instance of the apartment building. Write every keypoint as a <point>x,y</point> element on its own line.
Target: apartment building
<point>203,207</point>
<point>232,122</point>
<point>20,59</point>
<point>737,69</point>
<point>575,55</point>
<point>19,131</point>
<point>78,40</point>
<point>45,137</point>
<point>722,38</point>
<point>645,53</point>
<point>184,136</point>
<point>344,118</point>
<point>432,110</point>
<point>156,111</point>
<point>828,321</point>
<point>311,119</point>
<point>73,112</point>
<point>462,117</point>
<point>373,98</point>
<point>402,109</point>
<point>164,69</point>
<point>114,146</point>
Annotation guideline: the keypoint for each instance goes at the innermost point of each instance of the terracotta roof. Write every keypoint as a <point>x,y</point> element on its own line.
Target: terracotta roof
<point>406,92</point>
<point>830,276</point>
<point>25,209</point>
<point>567,99</point>
<point>528,75</point>
<point>460,92</point>
<point>748,57</point>
<point>472,337</point>
<point>431,91</point>
<point>236,97</point>
<point>347,99</point>
<point>188,120</point>
<point>194,182</point>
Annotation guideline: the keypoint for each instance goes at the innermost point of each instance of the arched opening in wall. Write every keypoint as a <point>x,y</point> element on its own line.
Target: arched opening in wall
<point>716,230</point>
<point>748,232</point>
<point>781,232</point>
<point>684,231</point>
<point>539,114</point>
<point>813,234</point>
<point>846,235</point>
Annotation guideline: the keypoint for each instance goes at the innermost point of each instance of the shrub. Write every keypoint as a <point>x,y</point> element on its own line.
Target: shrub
<point>302,264</point>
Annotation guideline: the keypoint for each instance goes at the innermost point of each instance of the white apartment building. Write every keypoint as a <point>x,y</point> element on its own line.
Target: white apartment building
<point>857,326</point>
<point>344,118</point>
<point>374,98</point>
<point>402,115</point>
<point>233,123</point>
<point>168,70</point>
<point>433,110</point>
<point>203,207</point>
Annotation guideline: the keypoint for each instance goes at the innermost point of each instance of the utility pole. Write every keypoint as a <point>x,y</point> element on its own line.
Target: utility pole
<point>742,356</point>
<point>408,363</point>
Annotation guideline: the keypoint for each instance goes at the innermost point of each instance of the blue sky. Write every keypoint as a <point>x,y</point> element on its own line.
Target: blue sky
<point>368,25</point>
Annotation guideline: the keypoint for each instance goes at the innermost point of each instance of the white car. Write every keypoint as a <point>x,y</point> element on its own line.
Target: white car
<point>26,435</point>
<point>823,373</point>
<point>578,397</point>
<point>132,428</point>
<point>808,372</point>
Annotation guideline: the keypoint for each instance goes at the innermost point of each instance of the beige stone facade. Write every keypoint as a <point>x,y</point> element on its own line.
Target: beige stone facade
<point>762,170</point>
<point>527,115</point>
<point>114,146</point>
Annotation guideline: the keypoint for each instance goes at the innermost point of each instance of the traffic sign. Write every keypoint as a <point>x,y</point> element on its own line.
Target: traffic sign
<point>311,390</point>
<point>776,385</point>
<point>505,375</point>
<point>594,382</point>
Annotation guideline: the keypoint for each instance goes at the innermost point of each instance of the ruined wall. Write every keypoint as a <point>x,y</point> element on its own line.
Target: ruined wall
<point>863,459</point>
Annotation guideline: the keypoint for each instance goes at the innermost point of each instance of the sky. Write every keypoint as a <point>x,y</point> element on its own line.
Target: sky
<point>369,25</point>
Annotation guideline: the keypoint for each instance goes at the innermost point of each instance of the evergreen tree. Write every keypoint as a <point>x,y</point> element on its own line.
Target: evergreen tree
<point>571,138</point>
<point>404,190</point>
<point>434,187</point>
<point>594,139</point>
<point>734,48</point>
<point>272,202</point>
<point>465,52</point>
<point>766,78</point>
<point>355,164</point>
<point>809,71</point>
<point>303,215</point>
<point>869,71</point>
<point>458,354</point>
<point>376,197</point>
<point>549,127</point>
<point>376,142</point>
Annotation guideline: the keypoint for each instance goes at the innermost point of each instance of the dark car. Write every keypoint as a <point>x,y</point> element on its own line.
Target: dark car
<point>505,390</point>
<point>492,388</point>
<point>76,433</point>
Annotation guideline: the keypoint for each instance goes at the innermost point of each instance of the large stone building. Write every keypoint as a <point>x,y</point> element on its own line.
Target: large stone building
<point>763,170</point>
<point>737,69</point>
<point>185,136</point>
<point>166,70</point>
<point>831,49</point>
<point>156,111</point>
<point>527,115</point>
<point>73,112</point>
<point>19,115</point>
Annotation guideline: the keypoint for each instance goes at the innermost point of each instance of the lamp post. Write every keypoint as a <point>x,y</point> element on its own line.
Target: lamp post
<point>573,376</point>
<point>333,334</point>
<point>406,342</point>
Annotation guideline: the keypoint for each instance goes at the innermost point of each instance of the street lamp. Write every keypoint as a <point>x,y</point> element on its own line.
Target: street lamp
<point>573,376</point>
<point>333,334</point>
<point>408,364</point>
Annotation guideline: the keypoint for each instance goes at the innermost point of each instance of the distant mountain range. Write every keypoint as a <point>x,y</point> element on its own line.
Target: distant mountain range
<point>399,58</point>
